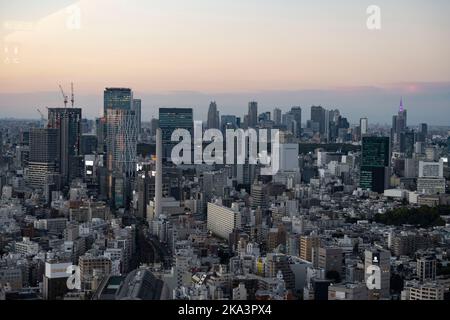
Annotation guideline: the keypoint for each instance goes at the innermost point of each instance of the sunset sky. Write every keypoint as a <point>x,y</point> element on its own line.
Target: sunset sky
<point>223,49</point>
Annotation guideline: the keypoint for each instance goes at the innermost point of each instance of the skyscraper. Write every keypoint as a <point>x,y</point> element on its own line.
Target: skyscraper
<point>228,122</point>
<point>171,119</point>
<point>44,156</point>
<point>213,116</point>
<point>159,174</point>
<point>252,114</point>
<point>121,153</point>
<point>364,126</point>
<point>423,132</point>
<point>318,116</point>
<point>122,121</point>
<point>399,125</point>
<point>297,115</point>
<point>138,111</point>
<point>407,141</point>
<point>121,141</point>
<point>374,174</point>
<point>117,98</point>
<point>68,122</point>
<point>277,116</point>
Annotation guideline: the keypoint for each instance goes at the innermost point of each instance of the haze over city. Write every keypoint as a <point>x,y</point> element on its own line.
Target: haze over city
<point>187,53</point>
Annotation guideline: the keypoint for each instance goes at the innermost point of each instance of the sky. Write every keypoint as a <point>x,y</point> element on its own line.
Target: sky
<point>187,52</point>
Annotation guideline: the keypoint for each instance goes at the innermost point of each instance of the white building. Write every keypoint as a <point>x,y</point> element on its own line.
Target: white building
<point>431,169</point>
<point>222,220</point>
<point>27,247</point>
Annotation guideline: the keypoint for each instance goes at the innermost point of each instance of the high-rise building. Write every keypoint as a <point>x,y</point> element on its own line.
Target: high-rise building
<point>68,123</point>
<point>318,116</point>
<point>277,116</point>
<point>54,284</point>
<point>431,169</point>
<point>330,259</point>
<point>252,114</point>
<point>121,153</point>
<point>121,141</point>
<point>364,126</point>
<point>213,116</point>
<point>137,107</point>
<point>100,131</point>
<point>399,125</point>
<point>426,268</point>
<point>374,173</point>
<point>259,196</point>
<point>423,132</point>
<point>431,178</point>
<point>159,173</point>
<point>222,221</point>
<point>297,115</point>
<point>288,120</point>
<point>117,98</point>
<point>44,156</point>
<point>380,258</point>
<point>307,244</point>
<point>171,119</point>
<point>228,122</point>
<point>407,141</point>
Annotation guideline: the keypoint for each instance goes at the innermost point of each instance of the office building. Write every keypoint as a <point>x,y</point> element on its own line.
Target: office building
<point>375,162</point>
<point>297,117</point>
<point>68,123</point>
<point>318,117</point>
<point>117,98</point>
<point>213,116</point>
<point>307,244</point>
<point>222,221</point>
<point>380,258</point>
<point>330,259</point>
<point>364,126</point>
<point>171,119</point>
<point>277,116</point>
<point>44,156</point>
<point>54,284</point>
<point>426,268</point>
<point>137,107</point>
<point>252,114</point>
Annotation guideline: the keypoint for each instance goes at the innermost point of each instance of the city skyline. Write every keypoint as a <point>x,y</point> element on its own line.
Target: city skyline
<point>243,152</point>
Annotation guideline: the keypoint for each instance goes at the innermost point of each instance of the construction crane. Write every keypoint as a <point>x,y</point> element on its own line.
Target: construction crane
<point>42,117</point>
<point>64,96</point>
<point>73,96</point>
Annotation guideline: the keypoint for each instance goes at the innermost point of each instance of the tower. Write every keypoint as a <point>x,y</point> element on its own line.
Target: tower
<point>252,114</point>
<point>213,116</point>
<point>159,173</point>
<point>68,123</point>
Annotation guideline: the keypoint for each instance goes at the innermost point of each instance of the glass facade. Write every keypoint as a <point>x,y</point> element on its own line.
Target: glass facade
<point>171,119</point>
<point>117,98</point>
<point>375,164</point>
